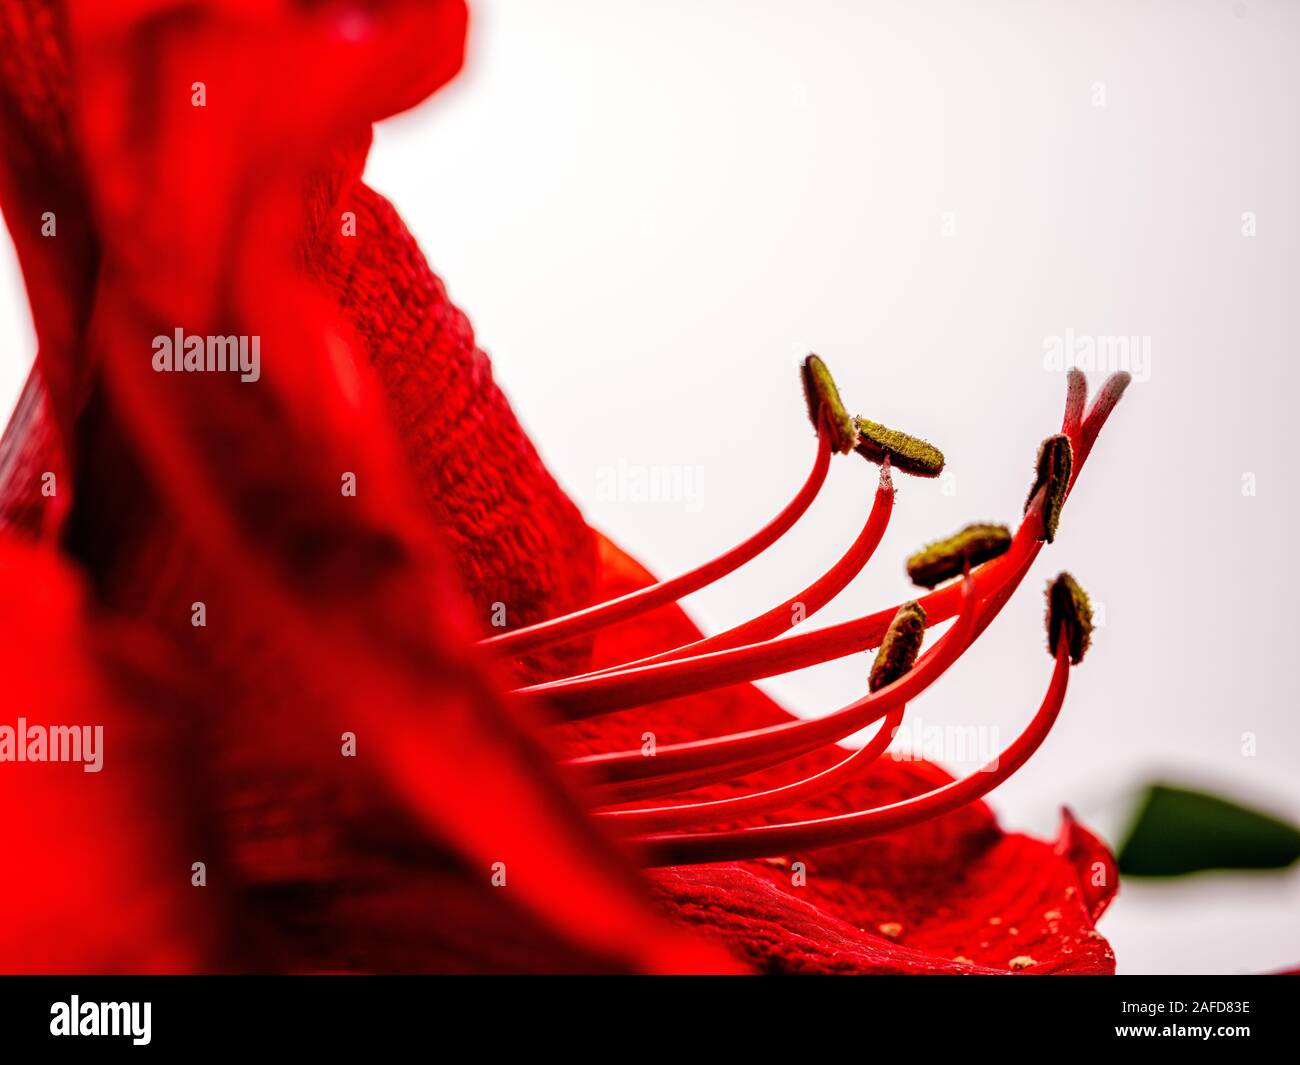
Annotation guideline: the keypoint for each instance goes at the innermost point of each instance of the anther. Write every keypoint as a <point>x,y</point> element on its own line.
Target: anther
<point>1069,615</point>
<point>949,558</point>
<point>1055,460</point>
<point>825,405</point>
<point>899,648</point>
<point>910,454</point>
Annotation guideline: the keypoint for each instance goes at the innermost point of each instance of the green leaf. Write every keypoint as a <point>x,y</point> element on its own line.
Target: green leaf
<point>1178,831</point>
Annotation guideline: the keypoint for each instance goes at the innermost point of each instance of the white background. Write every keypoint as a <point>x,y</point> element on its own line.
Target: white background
<point>650,210</point>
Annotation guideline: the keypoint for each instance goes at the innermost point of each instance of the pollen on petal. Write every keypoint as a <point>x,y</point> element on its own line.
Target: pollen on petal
<point>1021,962</point>
<point>891,929</point>
<point>1055,460</point>
<point>948,558</point>
<point>899,648</point>
<point>910,454</point>
<point>823,400</point>
<point>1069,614</point>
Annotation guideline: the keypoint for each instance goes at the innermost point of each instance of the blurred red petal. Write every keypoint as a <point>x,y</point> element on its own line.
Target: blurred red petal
<point>96,867</point>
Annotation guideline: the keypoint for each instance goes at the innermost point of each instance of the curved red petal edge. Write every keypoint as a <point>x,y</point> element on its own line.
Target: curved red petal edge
<point>1094,864</point>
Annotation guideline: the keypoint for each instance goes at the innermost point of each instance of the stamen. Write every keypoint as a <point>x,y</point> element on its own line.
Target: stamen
<point>944,559</point>
<point>636,781</point>
<point>591,696</point>
<point>808,602</point>
<point>899,648</point>
<point>909,453</point>
<point>1055,457</point>
<point>656,818</point>
<point>825,406</point>
<point>792,738</point>
<point>712,760</point>
<point>762,841</point>
<point>897,655</point>
<point>580,622</point>
<point>1069,615</point>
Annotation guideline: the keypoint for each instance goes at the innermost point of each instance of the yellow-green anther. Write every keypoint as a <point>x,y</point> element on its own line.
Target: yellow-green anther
<point>824,401</point>
<point>910,454</point>
<point>899,648</point>
<point>1055,458</point>
<point>1069,615</point>
<point>949,558</point>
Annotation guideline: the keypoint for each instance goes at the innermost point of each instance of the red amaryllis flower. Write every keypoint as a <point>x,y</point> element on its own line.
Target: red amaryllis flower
<point>272,587</point>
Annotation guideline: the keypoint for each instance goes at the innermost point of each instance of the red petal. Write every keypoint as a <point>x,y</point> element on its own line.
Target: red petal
<point>1094,865</point>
